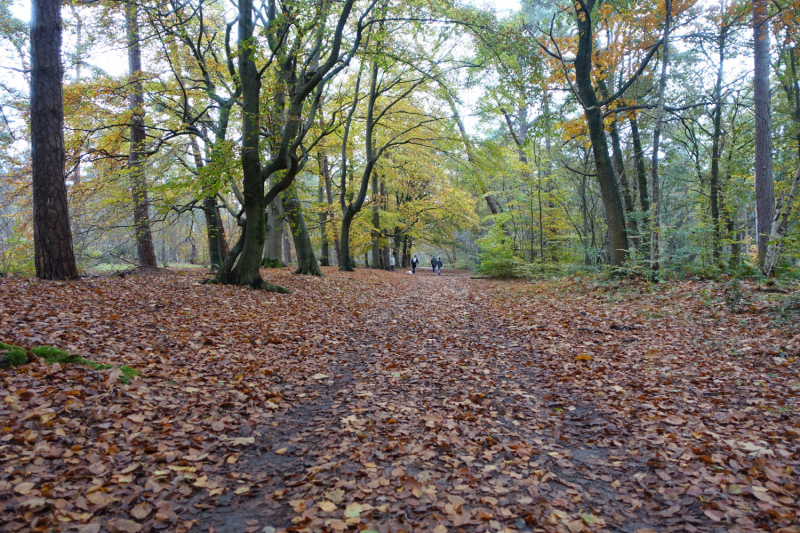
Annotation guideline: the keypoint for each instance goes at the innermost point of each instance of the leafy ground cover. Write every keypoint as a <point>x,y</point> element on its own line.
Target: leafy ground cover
<point>386,402</point>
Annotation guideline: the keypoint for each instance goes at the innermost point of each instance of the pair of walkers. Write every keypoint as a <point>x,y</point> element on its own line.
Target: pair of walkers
<point>435,263</point>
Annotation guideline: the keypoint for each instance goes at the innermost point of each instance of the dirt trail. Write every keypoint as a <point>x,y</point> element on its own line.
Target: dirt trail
<point>438,417</point>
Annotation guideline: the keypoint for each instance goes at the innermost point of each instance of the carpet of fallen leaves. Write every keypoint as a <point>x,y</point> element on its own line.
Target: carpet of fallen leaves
<point>389,402</point>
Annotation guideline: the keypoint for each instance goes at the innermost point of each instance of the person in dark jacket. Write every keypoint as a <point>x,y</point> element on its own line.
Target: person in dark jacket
<point>414,263</point>
<point>439,264</point>
<point>433,264</point>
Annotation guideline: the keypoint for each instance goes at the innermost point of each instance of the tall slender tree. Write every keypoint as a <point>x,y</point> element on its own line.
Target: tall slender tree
<point>765,194</point>
<point>654,183</point>
<point>54,255</point>
<point>136,158</point>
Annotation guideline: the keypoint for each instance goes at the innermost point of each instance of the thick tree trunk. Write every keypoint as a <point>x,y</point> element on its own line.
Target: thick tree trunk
<point>273,251</point>
<point>345,262</point>
<point>215,256</point>
<point>306,260</point>
<point>53,252</point>
<point>246,272</point>
<point>654,183</point>
<point>136,158</point>
<point>287,245</point>
<point>223,239</point>
<point>765,195</point>
<point>619,168</point>
<point>615,216</point>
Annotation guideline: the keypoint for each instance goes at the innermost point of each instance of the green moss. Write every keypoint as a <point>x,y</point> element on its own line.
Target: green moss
<point>52,355</point>
<point>128,373</point>
<point>12,355</point>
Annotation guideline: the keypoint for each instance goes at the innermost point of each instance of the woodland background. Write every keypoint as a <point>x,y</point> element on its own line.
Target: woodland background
<point>452,130</point>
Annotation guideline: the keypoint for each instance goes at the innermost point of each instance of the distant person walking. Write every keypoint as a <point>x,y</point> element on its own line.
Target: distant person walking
<point>391,262</point>
<point>433,264</point>
<point>439,264</point>
<point>414,263</point>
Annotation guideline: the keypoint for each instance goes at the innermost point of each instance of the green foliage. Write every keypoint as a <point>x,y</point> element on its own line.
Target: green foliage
<point>497,256</point>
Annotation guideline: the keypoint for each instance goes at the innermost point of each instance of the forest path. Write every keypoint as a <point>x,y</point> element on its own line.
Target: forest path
<point>387,402</point>
<point>437,416</point>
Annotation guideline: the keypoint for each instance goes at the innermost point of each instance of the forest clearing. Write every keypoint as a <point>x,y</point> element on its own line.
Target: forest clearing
<point>375,401</point>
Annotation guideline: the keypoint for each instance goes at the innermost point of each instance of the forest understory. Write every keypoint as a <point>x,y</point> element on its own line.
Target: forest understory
<point>376,401</point>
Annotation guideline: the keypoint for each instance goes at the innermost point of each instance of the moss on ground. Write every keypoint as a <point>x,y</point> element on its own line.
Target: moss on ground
<point>52,355</point>
<point>12,355</point>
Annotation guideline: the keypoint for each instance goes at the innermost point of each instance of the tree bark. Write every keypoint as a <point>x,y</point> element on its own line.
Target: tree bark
<point>654,184</point>
<point>324,252</point>
<point>136,157</point>
<point>765,194</point>
<point>615,216</point>
<point>211,213</point>
<point>716,150</point>
<point>326,173</point>
<point>53,251</point>
<point>215,256</point>
<point>306,260</point>
<point>618,165</point>
<point>385,251</point>
<point>273,251</point>
<point>641,171</point>
<point>246,272</point>
<point>779,227</point>
<point>376,223</point>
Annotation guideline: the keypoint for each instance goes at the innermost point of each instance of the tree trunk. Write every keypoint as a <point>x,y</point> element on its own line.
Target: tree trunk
<point>619,168</point>
<point>326,173</point>
<point>324,251</point>
<point>141,208</point>
<point>376,223</point>
<point>306,260</point>
<point>287,246</point>
<point>779,227</point>
<point>385,250</point>
<point>615,216</point>
<point>765,195</point>
<point>54,255</point>
<point>654,184</point>
<point>246,272</point>
<point>223,239</point>
<point>641,171</point>
<point>345,262</point>
<point>215,256</point>
<point>273,251</point>
<point>715,152</point>
<point>211,213</point>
